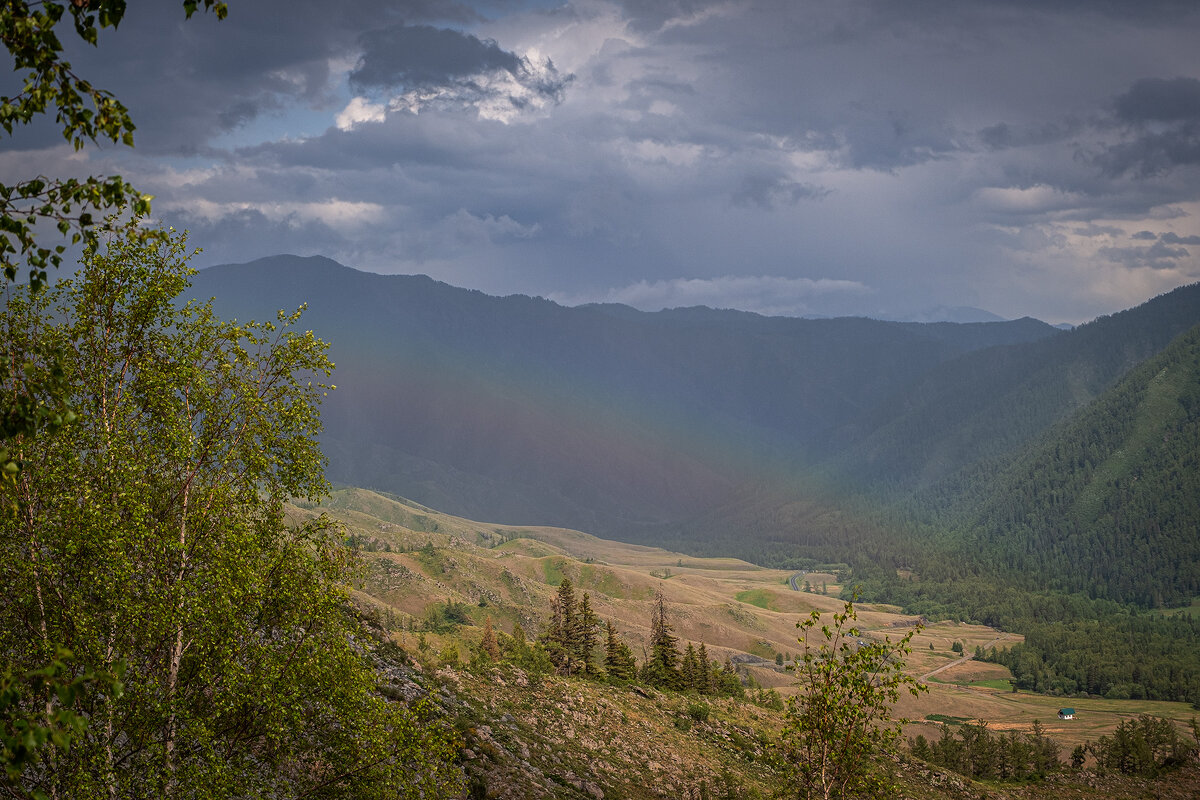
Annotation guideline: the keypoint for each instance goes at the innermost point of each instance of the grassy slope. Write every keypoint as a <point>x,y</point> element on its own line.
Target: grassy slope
<point>541,740</point>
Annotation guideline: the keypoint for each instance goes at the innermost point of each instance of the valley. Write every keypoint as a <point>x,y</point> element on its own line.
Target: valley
<point>419,560</point>
<point>599,400</point>
<point>1028,490</point>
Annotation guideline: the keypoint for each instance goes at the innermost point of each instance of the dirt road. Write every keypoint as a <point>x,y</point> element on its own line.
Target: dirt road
<point>962,660</point>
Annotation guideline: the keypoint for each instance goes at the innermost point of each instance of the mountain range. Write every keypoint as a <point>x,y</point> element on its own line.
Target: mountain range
<point>521,410</point>
<point>696,425</point>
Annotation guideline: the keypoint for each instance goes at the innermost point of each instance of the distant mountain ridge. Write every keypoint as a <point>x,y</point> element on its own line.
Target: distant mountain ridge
<point>699,421</point>
<point>599,417</point>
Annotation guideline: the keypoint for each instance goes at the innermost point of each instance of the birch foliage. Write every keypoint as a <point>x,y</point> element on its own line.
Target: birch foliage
<point>841,719</point>
<point>150,536</point>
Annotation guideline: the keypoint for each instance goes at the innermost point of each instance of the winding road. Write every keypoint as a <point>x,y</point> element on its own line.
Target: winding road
<point>794,581</point>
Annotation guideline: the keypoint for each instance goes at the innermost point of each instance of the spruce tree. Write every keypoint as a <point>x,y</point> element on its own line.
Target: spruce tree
<point>588,627</point>
<point>691,669</point>
<point>706,669</point>
<point>562,639</point>
<point>618,658</point>
<point>662,668</point>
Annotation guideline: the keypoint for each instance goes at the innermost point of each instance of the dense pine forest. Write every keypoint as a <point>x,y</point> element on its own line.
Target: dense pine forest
<point>1082,537</point>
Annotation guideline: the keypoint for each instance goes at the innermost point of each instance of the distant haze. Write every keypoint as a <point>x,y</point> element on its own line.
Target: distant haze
<point>609,419</point>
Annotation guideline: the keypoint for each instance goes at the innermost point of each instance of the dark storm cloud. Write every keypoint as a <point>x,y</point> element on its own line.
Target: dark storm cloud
<point>1160,100</point>
<point>420,55</point>
<point>1153,154</point>
<point>1157,256</point>
<point>405,57</point>
<point>1160,119</point>
<point>1173,238</point>
<point>1170,237</point>
<point>188,81</point>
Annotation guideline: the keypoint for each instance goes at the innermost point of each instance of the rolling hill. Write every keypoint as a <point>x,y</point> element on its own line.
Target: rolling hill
<point>537,735</point>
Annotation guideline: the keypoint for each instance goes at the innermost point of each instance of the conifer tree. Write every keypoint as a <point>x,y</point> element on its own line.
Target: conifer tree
<point>618,658</point>
<point>706,670</point>
<point>662,667</point>
<point>562,639</point>
<point>588,628</point>
<point>690,670</point>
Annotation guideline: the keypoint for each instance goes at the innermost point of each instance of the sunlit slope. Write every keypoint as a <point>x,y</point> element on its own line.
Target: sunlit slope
<point>418,559</point>
<point>739,611</point>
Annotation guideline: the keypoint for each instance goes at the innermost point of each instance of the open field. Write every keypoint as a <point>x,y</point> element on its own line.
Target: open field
<point>1005,710</point>
<point>1192,610</point>
<point>739,610</point>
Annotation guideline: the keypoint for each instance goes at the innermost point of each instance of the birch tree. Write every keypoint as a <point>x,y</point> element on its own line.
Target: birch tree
<point>841,719</point>
<point>152,534</point>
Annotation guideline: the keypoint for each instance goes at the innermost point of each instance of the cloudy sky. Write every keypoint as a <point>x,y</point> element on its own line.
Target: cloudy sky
<point>782,156</point>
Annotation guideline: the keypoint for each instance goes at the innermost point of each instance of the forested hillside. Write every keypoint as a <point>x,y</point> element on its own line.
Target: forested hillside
<point>1075,539</point>
<point>984,407</point>
<point>1109,506</point>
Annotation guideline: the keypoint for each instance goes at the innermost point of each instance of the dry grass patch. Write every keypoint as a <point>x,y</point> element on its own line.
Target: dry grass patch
<point>730,605</point>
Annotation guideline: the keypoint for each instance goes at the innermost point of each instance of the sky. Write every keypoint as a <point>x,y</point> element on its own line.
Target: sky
<point>792,157</point>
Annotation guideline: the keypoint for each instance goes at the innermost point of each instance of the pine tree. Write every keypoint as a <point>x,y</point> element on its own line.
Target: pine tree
<point>662,667</point>
<point>588,625</point>
<point>618,658</point>
<point>562,639</point>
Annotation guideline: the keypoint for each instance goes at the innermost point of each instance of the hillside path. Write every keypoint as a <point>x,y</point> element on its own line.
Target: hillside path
<point>962,660</point>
